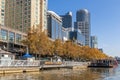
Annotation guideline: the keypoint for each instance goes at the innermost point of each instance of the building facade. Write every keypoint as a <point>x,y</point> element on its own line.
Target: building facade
<point>10,39</point>
<point>54,25</point>
<point>101,50</point>
<point>83,24</point>
<point>94,42</point>
<point>77,37</point>
<point>43,14</point>
<point>65,34</point>
<point>67,20</point>
<point>17,17</point>
<point>2,12</point>
<point>22,15</point>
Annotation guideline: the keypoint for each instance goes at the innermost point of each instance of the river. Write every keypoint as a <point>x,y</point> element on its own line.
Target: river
<point>67,74</point>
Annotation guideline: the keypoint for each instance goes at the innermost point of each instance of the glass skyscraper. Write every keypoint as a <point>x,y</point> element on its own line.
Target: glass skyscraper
<point>83,24</point>
<point>77,37</point>
<point>67,20</point>
<point>94,42</point>
<point>54,25</point>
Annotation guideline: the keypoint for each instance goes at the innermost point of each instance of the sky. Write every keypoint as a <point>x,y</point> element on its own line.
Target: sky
<point>104,16</point>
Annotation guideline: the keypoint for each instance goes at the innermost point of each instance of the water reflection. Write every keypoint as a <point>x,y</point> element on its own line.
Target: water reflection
<point>64,74</point>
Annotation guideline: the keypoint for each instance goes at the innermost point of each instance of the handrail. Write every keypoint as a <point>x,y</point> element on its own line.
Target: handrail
<point>19,63</point>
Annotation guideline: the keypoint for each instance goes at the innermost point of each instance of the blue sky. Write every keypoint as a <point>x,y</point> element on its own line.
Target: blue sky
<point>105,20</point>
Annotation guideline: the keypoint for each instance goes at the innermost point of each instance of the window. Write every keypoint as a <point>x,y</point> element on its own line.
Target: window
<point>4,34</point>
<point>11,37</point>
<point>2,10</point>
<point>18,38</point>
<point>2,14</point>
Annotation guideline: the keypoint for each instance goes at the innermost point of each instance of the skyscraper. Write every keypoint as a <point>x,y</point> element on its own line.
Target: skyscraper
<point>2,12</point>
<point>77,37</point>
<point>67,20</point>
<point>17,17</point>
<point>54,25</point>
<point>83,23</point>
<point>22,15</point>
<point>94,42</point>
<point>43,14</point>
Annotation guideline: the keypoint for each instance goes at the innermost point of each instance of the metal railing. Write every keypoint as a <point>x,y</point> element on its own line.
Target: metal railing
<point>72,63</point>
<point>19,63</point>
<point>37,63</point>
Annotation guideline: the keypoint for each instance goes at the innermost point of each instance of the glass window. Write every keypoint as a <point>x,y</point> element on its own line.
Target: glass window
<point>57,30</point>
<point>11,37</point>
<point>53,35</point>
<point>4,34</point>
<point>18,38</point>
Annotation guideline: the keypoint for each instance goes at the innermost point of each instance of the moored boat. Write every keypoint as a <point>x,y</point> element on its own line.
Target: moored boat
<point>103,63</point>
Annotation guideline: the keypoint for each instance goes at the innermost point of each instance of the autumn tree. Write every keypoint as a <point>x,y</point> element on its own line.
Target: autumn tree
<point>39,44</point>
<point>58,47</point>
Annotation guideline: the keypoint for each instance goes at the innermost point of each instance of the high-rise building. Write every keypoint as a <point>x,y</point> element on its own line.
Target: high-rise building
<point>22,15</point>
<point>83,23</point>
<point>2,12</point>
<point>17,17</point>
<point>94,42</point>
<point>54,25</point>
<point>67,20</point>
<point>43,14</point>
<point>101,50</point>
<point>65,33</point>
<point>77,37</point>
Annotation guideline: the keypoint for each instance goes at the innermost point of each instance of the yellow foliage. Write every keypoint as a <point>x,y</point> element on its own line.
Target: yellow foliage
<point>39,43</point>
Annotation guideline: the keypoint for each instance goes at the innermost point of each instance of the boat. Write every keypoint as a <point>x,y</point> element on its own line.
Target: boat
<point>103,63</point>
<point>118,59</point>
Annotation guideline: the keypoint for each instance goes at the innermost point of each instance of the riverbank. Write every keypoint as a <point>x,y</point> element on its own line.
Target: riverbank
<point>21,66</point>
<point>63,74</point>
<point>18,70</point>
<point>38,69</point>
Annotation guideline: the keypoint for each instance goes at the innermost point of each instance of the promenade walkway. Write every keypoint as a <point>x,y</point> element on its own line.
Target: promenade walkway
<point>12,66</point>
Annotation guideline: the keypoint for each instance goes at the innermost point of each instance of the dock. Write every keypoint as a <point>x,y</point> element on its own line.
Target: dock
<point>22,66</point>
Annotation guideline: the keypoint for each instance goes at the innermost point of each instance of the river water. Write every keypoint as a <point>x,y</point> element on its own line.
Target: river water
<point>67,74</point>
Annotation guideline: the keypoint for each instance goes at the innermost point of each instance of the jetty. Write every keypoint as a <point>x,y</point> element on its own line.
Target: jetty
<point>21,66</point>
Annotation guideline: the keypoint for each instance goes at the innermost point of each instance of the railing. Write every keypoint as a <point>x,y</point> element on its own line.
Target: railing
<point>72,63</point>
<point>37,63</point>
<point>19,63</point>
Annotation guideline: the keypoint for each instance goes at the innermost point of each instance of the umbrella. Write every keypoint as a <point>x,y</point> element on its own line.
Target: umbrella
<point>27,55</point>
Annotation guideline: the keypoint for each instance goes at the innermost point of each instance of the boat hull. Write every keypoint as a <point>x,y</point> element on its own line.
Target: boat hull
<point>101,66</point>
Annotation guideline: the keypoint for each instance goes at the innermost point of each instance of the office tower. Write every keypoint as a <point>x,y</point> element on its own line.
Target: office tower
<point>24,14</point>
<point>94,42</point>
<point>67,20</point>
<point>77,37</point>
<point>65,34</point>
<point>54,25</point>
<point>83,23</point>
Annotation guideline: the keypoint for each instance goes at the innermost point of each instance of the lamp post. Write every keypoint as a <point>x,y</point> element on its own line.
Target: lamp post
<point>27,51</point>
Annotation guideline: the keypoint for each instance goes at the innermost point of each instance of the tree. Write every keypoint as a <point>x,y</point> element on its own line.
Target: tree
<point>39,44</point>
<point>58,47</point>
